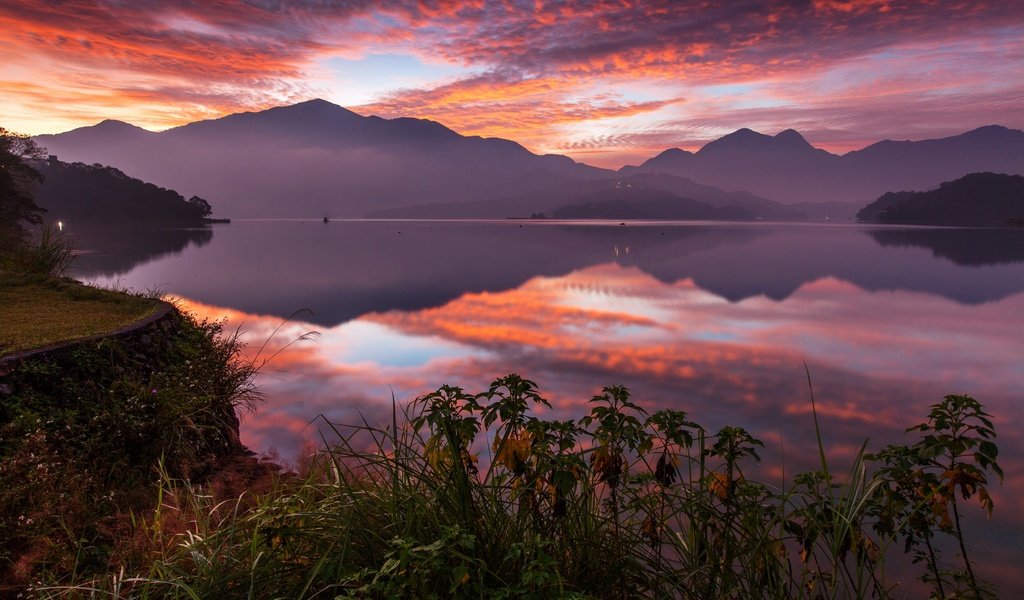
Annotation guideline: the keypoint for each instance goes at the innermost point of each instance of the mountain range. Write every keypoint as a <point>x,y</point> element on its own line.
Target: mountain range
<point>786,168</point>
<point>638,196</point>
<point>316,158</point>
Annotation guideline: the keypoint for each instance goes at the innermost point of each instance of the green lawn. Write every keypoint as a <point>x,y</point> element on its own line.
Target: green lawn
<point>37,311</point>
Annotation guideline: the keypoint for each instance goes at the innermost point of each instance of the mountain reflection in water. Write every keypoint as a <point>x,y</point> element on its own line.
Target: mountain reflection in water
<point>877,361</point>
<point>716,320</point>
<point>342,270</point>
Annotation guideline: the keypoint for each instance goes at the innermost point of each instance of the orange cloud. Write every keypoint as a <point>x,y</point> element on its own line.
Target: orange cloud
<point>530,110</point>
<point>551,69</point>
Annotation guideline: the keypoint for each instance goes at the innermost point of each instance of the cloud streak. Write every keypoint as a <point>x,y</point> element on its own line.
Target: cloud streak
<point>606,80</point>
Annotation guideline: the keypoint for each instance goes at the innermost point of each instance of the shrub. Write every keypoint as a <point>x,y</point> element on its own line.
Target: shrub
<point>83,431</point>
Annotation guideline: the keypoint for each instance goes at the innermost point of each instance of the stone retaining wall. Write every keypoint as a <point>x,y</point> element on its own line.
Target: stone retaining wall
<point>139,346</point>
<point>157,324</point>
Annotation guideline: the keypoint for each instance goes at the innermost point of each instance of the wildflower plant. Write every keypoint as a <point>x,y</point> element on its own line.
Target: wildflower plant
<point>476,495</point>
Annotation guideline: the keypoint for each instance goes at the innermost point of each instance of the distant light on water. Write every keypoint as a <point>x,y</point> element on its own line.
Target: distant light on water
<point>60,225</point>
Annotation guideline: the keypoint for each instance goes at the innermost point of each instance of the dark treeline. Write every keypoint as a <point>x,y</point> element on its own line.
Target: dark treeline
<point>975,200</point>
<point>96,193</point>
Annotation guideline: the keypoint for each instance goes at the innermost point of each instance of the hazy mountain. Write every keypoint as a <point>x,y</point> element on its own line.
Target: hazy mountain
<point>550,199</point>
<point>975,200</point>
<point>788,169</point>
<point>316,157</point>
<point>627,201</point>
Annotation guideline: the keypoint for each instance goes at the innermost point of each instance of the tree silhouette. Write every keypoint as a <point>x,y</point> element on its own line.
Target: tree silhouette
<point>18,179</point>
<point>201,206</point>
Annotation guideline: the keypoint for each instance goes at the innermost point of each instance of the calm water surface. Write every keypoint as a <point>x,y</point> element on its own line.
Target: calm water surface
<point>714,319</point>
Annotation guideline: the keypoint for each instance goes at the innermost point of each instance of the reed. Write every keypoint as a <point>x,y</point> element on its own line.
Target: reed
<point>50,254</point>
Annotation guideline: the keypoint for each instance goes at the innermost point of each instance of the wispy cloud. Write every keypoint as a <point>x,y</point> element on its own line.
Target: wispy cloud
<point>620,78</point>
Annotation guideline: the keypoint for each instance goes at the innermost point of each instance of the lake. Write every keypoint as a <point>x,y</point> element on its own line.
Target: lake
<point>715,319</point>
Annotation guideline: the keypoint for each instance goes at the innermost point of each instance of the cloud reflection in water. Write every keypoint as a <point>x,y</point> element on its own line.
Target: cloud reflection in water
<point>877,360</point>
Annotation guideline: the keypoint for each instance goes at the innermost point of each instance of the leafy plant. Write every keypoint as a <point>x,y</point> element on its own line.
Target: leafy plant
<point>474,495</point>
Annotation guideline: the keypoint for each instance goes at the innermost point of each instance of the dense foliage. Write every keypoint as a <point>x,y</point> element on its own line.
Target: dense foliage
<point>975,200</point>
<point>80,192</point>
<point>474,496</point>
<point>18,179</point>
<point>83,431</point>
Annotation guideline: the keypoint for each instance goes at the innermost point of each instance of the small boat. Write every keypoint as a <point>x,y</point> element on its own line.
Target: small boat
<point>326,220</point>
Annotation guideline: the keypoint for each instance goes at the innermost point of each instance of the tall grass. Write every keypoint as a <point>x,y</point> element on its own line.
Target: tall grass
<point>473,496</point>
<point>50,254</point>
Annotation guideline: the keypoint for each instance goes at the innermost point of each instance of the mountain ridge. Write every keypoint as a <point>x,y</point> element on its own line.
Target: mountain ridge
<point>788,169</point>
<point>316,157</point>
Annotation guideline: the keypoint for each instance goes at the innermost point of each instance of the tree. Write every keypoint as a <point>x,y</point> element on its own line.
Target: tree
<point>17,182</point>
<point>201,206</point>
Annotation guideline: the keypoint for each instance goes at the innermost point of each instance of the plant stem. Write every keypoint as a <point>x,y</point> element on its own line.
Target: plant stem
<point>934,563</point>
<point>963,549</point>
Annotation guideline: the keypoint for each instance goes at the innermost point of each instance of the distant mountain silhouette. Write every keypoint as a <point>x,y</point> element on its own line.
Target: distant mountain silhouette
<point>316,157</point>
<point>787,169</point>
<point>975,200</point>
<point>98,194</point>
<point>628,201</point>
<point>551,199</point>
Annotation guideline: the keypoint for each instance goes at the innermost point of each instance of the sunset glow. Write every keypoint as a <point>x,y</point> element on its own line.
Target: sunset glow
<point>674,345</point>
<point>604,82</point>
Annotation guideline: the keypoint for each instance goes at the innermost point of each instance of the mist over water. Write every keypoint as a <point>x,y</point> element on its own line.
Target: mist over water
<point>714,319</point>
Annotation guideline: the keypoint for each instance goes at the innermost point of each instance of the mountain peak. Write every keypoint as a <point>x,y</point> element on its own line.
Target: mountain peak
<point>110,123</point>
<point>791,136</point>
<point>989,131</point>
<point>675,152</point>
<point>114,125</point>
<point>105,127</point>
<point>998,128</point>
<point>744,133</point>
<point>741,138</point>
<point>315,102</point>
<point>316,106</point>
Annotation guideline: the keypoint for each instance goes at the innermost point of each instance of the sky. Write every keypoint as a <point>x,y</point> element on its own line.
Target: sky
<point>607,82</point>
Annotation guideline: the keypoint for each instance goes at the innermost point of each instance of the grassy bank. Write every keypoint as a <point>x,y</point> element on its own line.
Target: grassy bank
<point>474,496</point>
<point>40,307</point>
<point>39,311</point>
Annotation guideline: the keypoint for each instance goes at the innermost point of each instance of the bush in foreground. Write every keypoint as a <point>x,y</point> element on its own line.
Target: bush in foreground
<point>473,496</point>
<point>83,430</point>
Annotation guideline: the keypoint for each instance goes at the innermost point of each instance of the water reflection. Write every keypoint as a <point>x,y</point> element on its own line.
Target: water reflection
<point>109,251</point>
<point>877,361</point>
<point>342,270</point>
<point>969,247</point>
<point>710,318</point>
